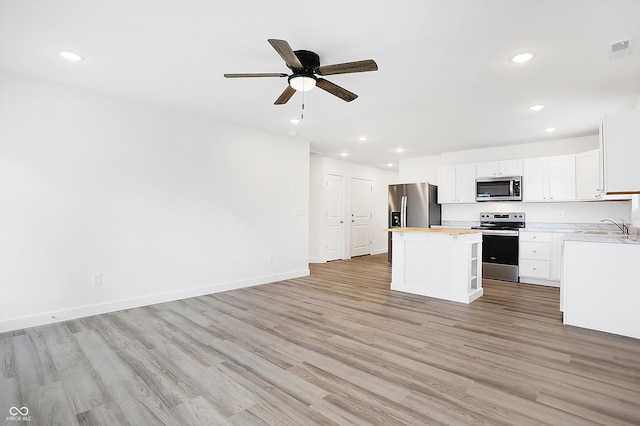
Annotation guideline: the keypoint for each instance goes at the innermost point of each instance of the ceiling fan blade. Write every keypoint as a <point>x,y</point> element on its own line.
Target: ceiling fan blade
<point>267,74</point>
<point>286,52</point>
<point>336,90</point>
<point>349,67</point>
<point>285,96</point>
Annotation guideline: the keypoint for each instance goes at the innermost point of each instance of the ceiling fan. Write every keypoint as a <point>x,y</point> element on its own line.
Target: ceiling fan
<point>305,67</point>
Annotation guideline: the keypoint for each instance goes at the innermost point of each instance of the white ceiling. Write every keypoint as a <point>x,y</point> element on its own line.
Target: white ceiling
<point>445,82</point>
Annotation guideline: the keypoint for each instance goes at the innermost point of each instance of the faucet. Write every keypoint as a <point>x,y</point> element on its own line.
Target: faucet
<point>624,227</point>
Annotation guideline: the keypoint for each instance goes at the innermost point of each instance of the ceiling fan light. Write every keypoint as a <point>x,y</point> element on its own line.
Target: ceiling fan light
<point>302,83</point>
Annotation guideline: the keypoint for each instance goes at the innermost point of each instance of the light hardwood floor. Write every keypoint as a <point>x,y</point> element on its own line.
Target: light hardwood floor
<point>337,347</point>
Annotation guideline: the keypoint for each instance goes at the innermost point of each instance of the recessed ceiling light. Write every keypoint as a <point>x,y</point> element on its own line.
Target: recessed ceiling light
<point>71,56</point>
<point>550,129</point>
<point>294,121</point>
<point>389,164</point>
<point>537,107</point>
<point>362,138</point>
<point>522,57</point>
<point>399,149</point>
<point>344,154</point>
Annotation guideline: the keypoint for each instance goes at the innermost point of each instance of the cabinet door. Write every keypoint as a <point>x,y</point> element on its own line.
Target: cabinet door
<point>466,183</point>
<point>562,178</point>
<point>489,169</point>
<point>588,176</point>
<point>510,168</point>
<point>534,179</point>
<point>620,151</point>
<point>447,184</point>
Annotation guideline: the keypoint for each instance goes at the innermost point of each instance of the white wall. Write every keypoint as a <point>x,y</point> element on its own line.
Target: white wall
<point>421,169</point>
<point>380,179</point>
<point>426,168</point>
<point>165,204</point>
<point>526,150</point>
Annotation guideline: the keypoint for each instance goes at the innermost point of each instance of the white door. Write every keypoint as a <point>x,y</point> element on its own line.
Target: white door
<point>334,216</point>
<point>360,217</point>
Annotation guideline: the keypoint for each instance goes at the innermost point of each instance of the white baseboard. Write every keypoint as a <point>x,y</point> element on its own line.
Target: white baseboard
<point>51,317</point>
<point>379,251</point>
<point>317,260</point>
<point>537,281</point>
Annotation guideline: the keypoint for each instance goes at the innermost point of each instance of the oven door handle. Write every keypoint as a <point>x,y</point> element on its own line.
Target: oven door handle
<point>501,233</point>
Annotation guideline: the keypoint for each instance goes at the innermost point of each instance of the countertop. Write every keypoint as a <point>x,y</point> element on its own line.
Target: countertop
<point>595,238</point>
<point>450,231</point>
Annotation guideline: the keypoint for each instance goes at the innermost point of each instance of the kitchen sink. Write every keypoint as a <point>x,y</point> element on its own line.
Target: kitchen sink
<point>598,232</point>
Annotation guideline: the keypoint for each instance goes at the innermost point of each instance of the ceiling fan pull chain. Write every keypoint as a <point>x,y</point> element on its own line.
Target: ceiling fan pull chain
<point>302,112</point>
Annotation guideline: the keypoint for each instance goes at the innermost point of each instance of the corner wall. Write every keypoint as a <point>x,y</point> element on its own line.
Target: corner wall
<point>164,204</point>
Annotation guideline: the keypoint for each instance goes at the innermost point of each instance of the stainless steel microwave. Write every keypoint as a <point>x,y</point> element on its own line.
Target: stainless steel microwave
<point>499,188</point>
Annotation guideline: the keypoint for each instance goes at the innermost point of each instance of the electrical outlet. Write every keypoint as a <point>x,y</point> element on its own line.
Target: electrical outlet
<point>270,258</point>
<point>560,213</point>
<point>96,279</point>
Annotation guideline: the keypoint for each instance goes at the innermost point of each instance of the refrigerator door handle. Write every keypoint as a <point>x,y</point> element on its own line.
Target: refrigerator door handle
<point>403,213</point>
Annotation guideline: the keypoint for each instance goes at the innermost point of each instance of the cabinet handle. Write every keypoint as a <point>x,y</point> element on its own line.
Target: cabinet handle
<point>534,269</point>
<point>534,251</point>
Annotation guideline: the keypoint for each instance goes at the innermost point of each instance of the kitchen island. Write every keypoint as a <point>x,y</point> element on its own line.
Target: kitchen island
<point>600,284</point>
<point>438,262</point>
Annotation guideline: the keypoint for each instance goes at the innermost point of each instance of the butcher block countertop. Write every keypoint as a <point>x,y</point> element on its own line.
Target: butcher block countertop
<point>450,231</point>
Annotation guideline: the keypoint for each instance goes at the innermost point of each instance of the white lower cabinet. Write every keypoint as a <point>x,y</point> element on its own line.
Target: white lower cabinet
<point>534,268</point>
<point>537,258</point>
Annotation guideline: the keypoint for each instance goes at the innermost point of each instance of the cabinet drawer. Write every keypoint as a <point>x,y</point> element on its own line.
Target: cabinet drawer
<point>536,251</point>
<point>541,237</point>
<point>534,268</point>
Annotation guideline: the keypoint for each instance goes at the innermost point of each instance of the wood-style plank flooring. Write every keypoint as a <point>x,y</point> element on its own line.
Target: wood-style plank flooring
<point>337,347</point>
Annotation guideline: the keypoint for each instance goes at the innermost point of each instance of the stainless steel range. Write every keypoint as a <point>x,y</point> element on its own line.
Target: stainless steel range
<point>500,244</point>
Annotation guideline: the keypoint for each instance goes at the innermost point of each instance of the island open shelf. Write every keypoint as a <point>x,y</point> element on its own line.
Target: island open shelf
<point>438,262</point>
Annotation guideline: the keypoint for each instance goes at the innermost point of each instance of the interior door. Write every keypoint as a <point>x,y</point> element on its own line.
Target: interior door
<point>334,216</point>
<point>360,217</point>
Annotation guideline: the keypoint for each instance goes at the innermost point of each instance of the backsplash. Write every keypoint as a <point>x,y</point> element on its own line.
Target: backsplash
<point>573,213</point>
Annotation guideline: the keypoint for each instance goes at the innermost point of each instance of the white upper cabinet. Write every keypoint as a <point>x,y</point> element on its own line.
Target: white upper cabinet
<point>620,146</point>
<point>535,177</point>
<point>549,178</point>
<point>588,176</point>
<point>457,184</point>
<point>562,178</point>
<point>499,168</point>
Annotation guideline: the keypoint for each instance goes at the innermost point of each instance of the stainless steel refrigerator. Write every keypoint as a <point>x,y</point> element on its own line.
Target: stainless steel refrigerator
<point>413,205</point>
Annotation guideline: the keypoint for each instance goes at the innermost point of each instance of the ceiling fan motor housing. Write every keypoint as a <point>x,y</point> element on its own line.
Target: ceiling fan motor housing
<point>310,62</point>
<point>303,79</point>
